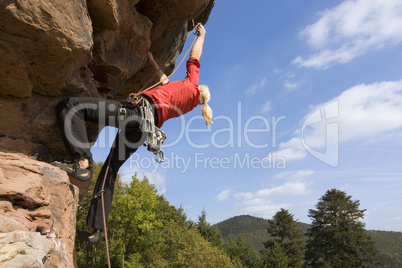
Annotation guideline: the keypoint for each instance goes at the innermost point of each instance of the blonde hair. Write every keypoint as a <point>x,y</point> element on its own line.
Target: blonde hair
<point>205,96</point>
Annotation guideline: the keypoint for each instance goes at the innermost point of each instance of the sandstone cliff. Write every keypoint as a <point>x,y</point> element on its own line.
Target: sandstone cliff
<point>37,214</point>
<point>50,50</point>
<point>53,49</point>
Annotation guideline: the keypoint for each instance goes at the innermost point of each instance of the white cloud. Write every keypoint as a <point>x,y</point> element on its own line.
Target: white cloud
<point>262,208</point>
<point>365,113</point>
<point>266,107</point>
<point>256,86</point>
<point>244,195</point>
<point>352,29</point>
<point>153,177</point>
<point>288,79</point>
<point>291,150</point>
<point>288,189</point>
<point>222,196</point>
<point>291,86</point>
<point>368,110</point>
<point>277,71</point>
<point>295,175</point>
<point>265,202</point>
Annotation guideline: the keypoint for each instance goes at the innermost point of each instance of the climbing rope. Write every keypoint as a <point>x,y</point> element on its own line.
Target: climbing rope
<point>143,89</point>
<point>103,208</point>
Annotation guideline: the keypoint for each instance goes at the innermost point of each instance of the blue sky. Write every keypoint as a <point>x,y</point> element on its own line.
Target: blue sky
<point>307,96</point>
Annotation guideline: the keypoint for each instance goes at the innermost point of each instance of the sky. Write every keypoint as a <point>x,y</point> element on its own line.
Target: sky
<point>307,97</point>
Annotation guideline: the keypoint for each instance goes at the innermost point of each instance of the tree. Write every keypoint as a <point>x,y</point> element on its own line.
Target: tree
<point>285,248</point>
<point>144,230</point>
<point>133,214</point>
<point>337,238</point>
<point>275,257</point>
<point>183,219</point>
<point>242,252</point>
<point>211,234</point>
<point>179,246</point>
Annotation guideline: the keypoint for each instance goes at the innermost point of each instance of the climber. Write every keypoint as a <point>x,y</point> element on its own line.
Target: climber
<point>171,99</point>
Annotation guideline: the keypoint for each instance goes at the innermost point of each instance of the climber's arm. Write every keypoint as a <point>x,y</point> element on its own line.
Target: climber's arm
<point>197,48</point>
<point>159,74</point>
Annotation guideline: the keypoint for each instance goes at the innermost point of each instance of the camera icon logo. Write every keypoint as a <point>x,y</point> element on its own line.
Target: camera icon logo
<point>325,124</point>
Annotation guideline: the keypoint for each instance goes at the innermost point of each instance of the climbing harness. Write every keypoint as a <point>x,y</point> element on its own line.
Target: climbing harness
<point>155,136</point>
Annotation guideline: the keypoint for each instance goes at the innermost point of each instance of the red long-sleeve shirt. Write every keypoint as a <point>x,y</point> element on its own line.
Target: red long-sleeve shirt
<point>178,97</point>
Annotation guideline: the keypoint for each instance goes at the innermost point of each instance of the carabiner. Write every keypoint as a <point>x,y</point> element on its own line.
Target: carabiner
<point>160,156</point>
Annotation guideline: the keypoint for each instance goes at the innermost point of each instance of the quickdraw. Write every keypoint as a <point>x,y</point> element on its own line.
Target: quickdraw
<point>155,141</point>
<point>155,136</point>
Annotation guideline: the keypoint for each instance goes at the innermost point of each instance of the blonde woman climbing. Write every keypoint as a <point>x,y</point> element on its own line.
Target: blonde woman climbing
<point>171,99</point>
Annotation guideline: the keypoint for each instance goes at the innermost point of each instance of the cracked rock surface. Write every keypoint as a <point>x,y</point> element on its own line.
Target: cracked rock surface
<point>37,214</point>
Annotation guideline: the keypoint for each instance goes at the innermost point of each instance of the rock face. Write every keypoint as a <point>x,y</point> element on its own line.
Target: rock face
<point>50,50</point>
<point>54,49</point>
<point>37,214</point>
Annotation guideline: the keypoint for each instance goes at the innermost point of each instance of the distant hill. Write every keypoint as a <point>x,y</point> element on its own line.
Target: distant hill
<point>254,231</point>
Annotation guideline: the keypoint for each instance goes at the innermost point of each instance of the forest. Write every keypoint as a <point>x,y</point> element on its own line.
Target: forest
<point>253,231</point>
<point>144,230</point>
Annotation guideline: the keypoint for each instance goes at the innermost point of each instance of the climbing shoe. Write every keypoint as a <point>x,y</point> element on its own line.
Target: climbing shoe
<point>73,169</point>
<point>91,237</point>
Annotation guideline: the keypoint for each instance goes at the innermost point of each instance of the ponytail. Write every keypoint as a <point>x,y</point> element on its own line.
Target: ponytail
<point>205,96</point>
<point>207,114</point>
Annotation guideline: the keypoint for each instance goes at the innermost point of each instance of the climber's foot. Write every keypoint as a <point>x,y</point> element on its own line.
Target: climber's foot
<point>73,169</point>
<point>91,237</point>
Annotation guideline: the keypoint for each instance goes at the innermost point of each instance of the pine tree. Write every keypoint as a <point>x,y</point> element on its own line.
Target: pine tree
<point>242,252</point>
<point>285,248</point>
<point>337,238</point>
<point>183,219</point>
<point>210,233</point>
<point>276,257</point>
